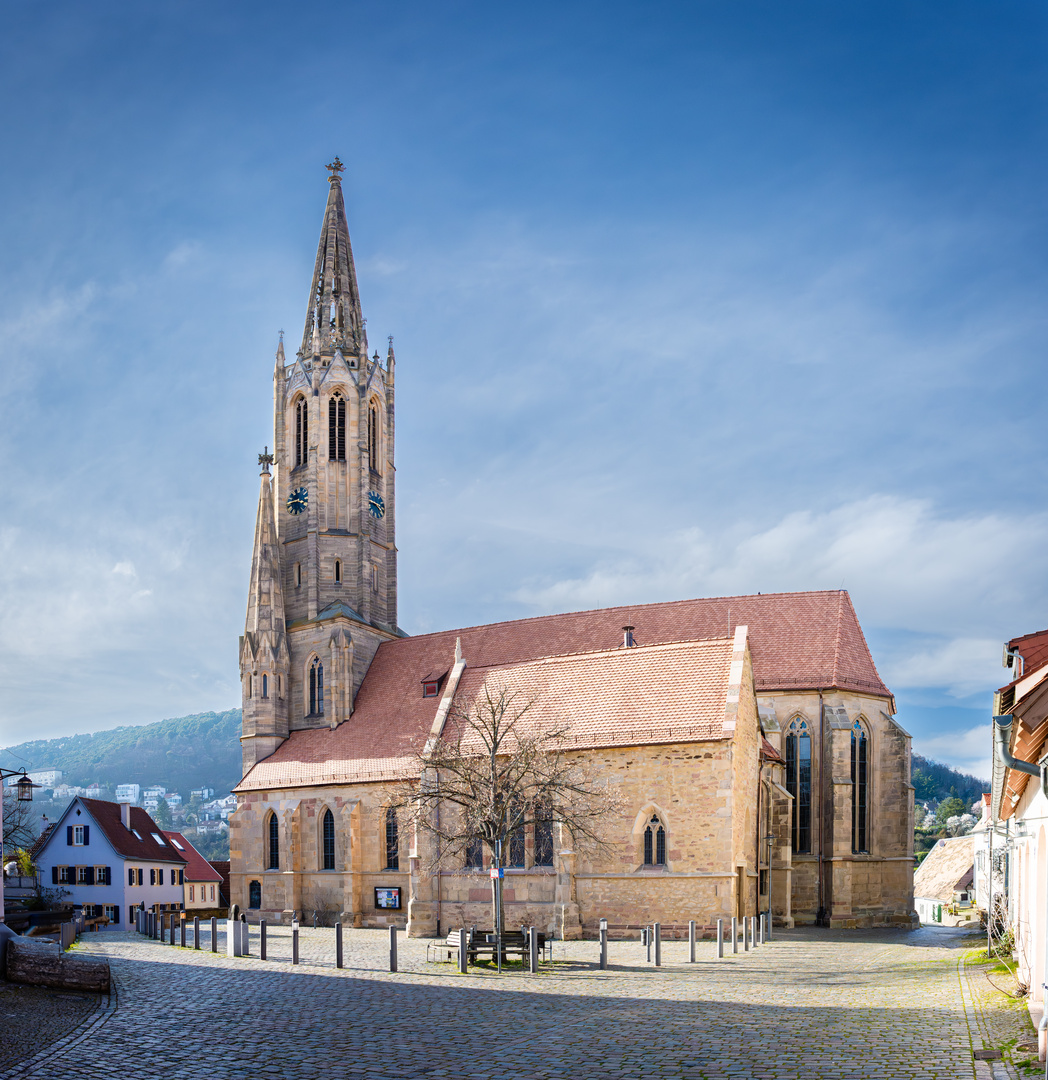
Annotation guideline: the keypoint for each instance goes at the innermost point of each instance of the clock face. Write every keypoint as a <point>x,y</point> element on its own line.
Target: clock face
<point>297,501</point>
<point>375,504</point>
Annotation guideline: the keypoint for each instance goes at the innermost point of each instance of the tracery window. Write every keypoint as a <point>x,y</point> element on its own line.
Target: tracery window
<point>316,687</point>
<point>798,781</point>
<point>273,862</point>
<point>654,842</point>
<point>337,427</point>
<point>516,854</point>
<point>329,840</point>
<point>859,774</point>
<point>373,436</point>
<point>474,852</point>
<point>301,431</point>
<point>254,894</point>
<point>392,840</point>
<point>544,837</point>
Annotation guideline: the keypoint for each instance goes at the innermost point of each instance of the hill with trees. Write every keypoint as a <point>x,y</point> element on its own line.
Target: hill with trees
<point>934,782</point>
<point>186,752</point>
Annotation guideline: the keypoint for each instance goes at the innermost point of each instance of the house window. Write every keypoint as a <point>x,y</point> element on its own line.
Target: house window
<point>798,781</point>
<point>429,689</point>
<point>254,894</point>
<point>85,875</point>
<point>112,913</point>
<point>212,892</point>
<point>329,840</point>
<point>373,436</point>
<point>64,877</point>
<point>191,896</point>
<point>337,428</point>
<point>102,876</point>
<point>152,875</point>
<point>392,841</point>
<point>301,432</point>
<point>544,837</point>
<point>130,876</point>
<point>859,774</point>
<point>338,572</point>
<point>274,843</point>
<point>79,835</point>
<point>654,842</point>
<point>316,687</point>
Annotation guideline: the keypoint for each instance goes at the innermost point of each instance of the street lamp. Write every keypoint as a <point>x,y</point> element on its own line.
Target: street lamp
<point>24,787</point>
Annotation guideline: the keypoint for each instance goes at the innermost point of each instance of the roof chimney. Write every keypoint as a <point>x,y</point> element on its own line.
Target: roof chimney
<point>628,640</point>
<point>125,815</point>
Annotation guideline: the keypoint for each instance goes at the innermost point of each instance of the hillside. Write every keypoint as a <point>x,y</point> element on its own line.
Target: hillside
<point>935,782</point>
<point>183,753</point>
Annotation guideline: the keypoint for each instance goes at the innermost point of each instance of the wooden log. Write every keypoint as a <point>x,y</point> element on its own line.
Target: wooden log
<point>39,963</point>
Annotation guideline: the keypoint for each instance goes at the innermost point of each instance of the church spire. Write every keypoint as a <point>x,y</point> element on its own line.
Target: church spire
<point>333,318</point>
<point>265,600</point>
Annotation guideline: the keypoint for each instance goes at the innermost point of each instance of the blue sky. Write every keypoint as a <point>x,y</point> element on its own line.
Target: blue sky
<point>688,299</point>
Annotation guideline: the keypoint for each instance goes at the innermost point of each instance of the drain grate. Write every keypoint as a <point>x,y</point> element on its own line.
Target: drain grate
<point>987,1055</point>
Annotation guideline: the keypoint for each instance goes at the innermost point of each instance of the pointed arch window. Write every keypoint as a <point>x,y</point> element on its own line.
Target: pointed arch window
<point>654,842</point>
<point>798,781</point>
<point>337,427</point>
<point>316,687</point>
<point>265,686</point>
<point>329,840</point>
<point>373,435</point>
<point>273,860</point>
<point>392,840</point>
<point>544,836</point>
<point>301,432</point>
<point>338,571</point>
<point>860,787</point>
<point>474,852</point>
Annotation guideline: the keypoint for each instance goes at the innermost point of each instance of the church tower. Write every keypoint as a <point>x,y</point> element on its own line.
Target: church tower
<point>323,592</point>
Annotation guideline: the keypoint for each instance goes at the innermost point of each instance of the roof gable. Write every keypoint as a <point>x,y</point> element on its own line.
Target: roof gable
<point>945,869</point>
<point>106,816</point>
<point>197,867</point>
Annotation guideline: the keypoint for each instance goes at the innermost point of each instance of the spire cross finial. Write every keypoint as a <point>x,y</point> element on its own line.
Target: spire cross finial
<point>265,459</point>
<point>335,168</point>
<point>281,333</point>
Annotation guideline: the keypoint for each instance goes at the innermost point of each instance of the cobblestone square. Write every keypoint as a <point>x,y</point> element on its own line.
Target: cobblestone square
<point>867,1005</point>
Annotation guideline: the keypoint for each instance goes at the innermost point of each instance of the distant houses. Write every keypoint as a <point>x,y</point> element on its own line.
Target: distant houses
<point>942,884</point>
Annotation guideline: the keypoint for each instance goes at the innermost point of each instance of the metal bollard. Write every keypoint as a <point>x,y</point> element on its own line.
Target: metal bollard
<point>338,943</point>
<point>182,930</point>
<point>691,941</point>
<point>314,920</point>
<point>767,927</point>
<point>734,934</point>
<point>753,931</point>
<point>745,934</point>
<point>720,939</point>
<point>533,949</point>
<point>392,948</point>
<point>603,945</point>
<point>262,939</point>
<point>294,945</point>
<point>245,936</point>
<point>658,944</point>
<point>196,931</point>
<point>463,950</point>
<point>214,934</point>
<point>645,936</point>
<point>760,928</point>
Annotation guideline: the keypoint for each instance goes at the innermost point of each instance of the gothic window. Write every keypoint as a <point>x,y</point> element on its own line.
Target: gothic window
<point>301,432</point>
<point>254,894</point>
<point>273,862</point>
<point>392,840</point>
<point>654,842</point>
<point>474,852</point>
<point>265,686</point>
<point>329,840</point>
<point>798,781</point>
<point>338,571</point>
<point>544,837</point>
<point>373,436</point>
<point>374,577</point>
<point>316,687</point>
<point>516,842</point>
<point>859,774</point>
<point>337,428</point>
<point>298,575</point>
<point>249,686</point>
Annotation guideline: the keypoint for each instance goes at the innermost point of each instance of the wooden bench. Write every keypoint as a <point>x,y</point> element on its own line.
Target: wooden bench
<point>482,942</point>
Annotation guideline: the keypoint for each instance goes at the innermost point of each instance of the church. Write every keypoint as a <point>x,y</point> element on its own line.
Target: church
<point>750,740</point>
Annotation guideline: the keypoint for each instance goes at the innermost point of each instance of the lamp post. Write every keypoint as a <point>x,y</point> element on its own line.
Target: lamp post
<point>768,839</point>
<point>25,794</point>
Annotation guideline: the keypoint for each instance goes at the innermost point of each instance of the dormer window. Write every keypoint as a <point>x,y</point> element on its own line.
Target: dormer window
<point>429,689</point>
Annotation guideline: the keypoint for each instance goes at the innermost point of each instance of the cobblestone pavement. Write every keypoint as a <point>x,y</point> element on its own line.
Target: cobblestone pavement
<point>866,1005</point>
<point>33,1017</point>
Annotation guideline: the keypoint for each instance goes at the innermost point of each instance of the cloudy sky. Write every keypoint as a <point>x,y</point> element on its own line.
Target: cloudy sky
<point>688,299</point>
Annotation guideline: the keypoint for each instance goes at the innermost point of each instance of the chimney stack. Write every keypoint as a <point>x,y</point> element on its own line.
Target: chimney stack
<point>628,641</point>
<point>125,815</point>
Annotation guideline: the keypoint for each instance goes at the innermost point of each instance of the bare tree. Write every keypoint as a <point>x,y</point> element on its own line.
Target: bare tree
<point>19,823</point>
<point>500,771</point>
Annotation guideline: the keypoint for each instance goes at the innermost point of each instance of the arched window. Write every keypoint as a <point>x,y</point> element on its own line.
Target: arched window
<point>316,687</point>
<point>337,427</point>
<point>859,774</point>
<point>543,837</point>
<point>249,686</point>
<point>265,686</point>
<point>254,894</point>
<point>373,436</point>
<point>516,841</point>
<point>301,431</point>
<point>392,840</point>
<point>298,575</point>
<point>798,781</point>
<point>329,840</point>
<point>654,842</point>
<point>474,852</point>
<point>338,571</point>
<point>273,863</point>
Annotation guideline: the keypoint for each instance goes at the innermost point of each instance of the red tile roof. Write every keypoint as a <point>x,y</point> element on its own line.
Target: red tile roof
<point>798,641</point>
<point>197,867</point>
<point>107,816</point>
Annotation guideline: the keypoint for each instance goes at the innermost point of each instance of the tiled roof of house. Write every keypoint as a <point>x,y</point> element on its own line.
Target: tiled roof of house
<point>41,841</point>
<point>798,641</point>
<point>223,873</point>
<point>945,868</point>
<point>106,816</point>
<point>197,867</point>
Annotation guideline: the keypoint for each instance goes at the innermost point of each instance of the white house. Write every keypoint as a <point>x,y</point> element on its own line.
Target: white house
<point>111,858</point>
<point>128,793</point>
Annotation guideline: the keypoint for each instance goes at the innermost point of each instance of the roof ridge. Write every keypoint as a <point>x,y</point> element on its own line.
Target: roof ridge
<point>687,643</point>
<point>837,636</point>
